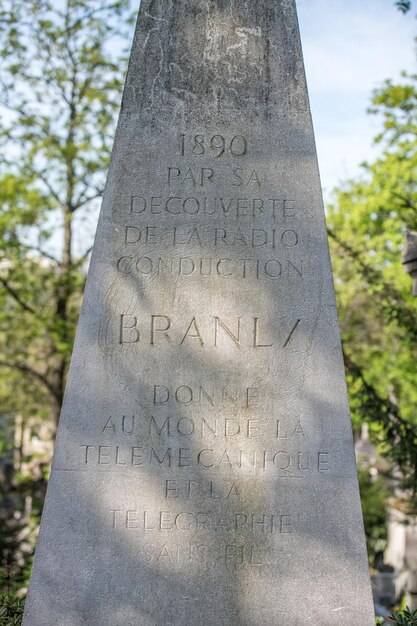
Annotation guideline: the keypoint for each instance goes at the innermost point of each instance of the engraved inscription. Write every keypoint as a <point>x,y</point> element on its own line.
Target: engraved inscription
<point>206,176</point>
<point>292,463</point>
<point>231,555</point>
<point>211,221</point>
<point>252,523</point>
<point>217,237</point>
<point>192,489</point>
<point>204,427</point>
<point>205,396</point>
<point>216,145</point>
<point>249,208</point>
<point>200,332</point>
<point>225,268</point>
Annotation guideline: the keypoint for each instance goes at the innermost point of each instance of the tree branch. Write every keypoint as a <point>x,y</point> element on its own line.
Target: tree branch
<point>40,250</point>
<point>390,300</point>
<point>85,200</point>
<point>27,369</point>
<point>50,188</point>
<point>400,434</point>
<point>83,258</point>
<point>18,299</point>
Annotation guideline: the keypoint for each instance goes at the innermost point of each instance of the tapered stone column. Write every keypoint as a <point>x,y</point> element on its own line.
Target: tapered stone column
<point>204,471</point>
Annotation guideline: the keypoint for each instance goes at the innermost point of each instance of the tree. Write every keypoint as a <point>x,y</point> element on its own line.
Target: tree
<point>367,225</point>
<point>374,497</point>
<point>61,67</point>
<point>61,75</point>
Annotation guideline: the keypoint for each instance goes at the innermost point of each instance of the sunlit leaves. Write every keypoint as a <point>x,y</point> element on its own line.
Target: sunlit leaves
<point>368,221</point>
<point>61,69</point>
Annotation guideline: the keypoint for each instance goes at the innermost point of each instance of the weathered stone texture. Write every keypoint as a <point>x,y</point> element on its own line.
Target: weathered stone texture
<point>204,471</point>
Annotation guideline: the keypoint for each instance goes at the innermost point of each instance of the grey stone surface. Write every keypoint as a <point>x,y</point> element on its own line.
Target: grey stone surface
<point>409,258</point>
<point>204,471</point>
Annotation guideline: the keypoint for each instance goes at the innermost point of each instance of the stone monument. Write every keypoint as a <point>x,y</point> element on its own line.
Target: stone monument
<point>204,471</point>
<point>409,258</point>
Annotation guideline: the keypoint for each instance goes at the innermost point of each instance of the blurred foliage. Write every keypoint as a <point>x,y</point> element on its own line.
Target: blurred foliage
<point>367,224</point>
<point>11,609</point>
<point>407,617</point>
<point>22,492</point>
<point>62,68</point>
<point>374,497</point>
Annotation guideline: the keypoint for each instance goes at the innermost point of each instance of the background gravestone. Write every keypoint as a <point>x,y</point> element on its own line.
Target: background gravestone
<point>204,470</point>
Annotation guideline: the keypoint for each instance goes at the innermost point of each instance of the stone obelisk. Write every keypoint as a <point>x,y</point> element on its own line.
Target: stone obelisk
<point>204,471</point>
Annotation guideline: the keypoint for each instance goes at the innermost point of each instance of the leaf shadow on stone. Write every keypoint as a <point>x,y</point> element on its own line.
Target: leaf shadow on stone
<point>127,577</point>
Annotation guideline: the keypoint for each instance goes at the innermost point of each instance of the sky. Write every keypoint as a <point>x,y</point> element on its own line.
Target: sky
<point>350,47</point>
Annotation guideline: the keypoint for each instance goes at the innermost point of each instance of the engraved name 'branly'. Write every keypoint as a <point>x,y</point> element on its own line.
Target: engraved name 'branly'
<point>249,332</point>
